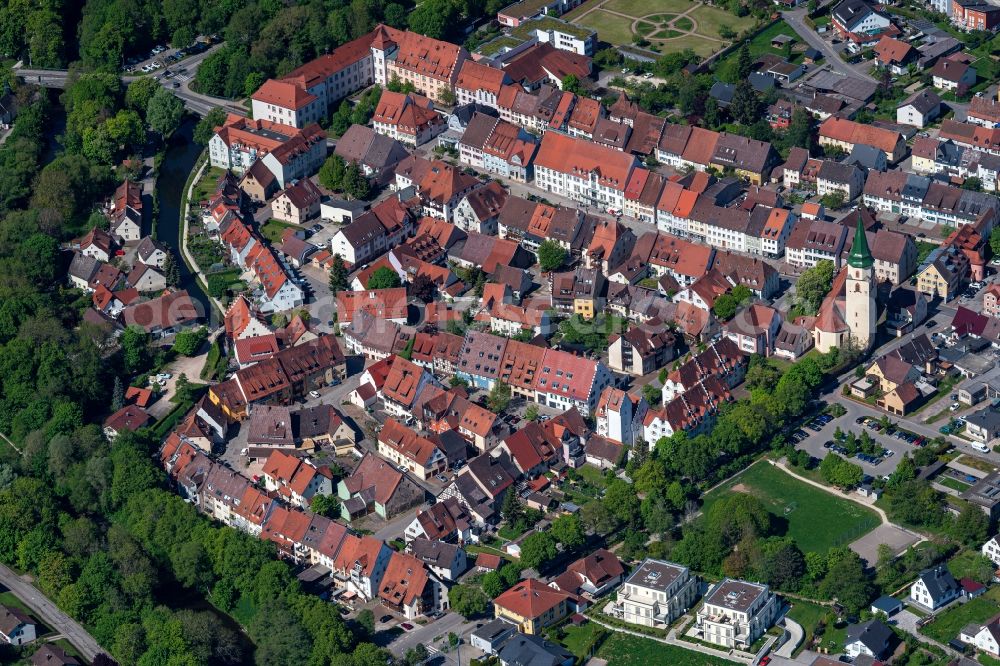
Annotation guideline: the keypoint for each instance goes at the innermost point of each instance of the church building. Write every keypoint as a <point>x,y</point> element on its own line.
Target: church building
<point>848,314</point>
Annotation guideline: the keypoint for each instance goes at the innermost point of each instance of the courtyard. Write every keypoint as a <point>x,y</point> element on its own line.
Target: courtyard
<point>668,25</point>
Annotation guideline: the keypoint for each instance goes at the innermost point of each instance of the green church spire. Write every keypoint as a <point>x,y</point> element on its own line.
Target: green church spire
<point>860,256</point>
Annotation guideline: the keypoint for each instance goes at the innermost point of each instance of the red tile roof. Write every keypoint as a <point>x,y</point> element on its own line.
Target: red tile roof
<point>581,157</point>
<point>531,599</point>
<point>284,94</point>
<point>379,303</point>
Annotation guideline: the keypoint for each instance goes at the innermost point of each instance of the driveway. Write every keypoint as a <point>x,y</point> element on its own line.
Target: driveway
<point>796,634</point>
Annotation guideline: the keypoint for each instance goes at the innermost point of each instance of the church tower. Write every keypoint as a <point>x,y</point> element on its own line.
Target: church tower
<point>860,311</point>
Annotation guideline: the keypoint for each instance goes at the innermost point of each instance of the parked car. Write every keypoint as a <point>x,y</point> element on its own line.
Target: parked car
<point>314,394</point>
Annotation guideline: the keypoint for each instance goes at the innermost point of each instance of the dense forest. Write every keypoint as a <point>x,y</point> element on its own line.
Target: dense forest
<point>263,38</point>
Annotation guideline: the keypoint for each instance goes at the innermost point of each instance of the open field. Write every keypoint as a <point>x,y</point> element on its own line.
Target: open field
<point>610,28</point>
<point>816,519</point>
<point>639,8</point>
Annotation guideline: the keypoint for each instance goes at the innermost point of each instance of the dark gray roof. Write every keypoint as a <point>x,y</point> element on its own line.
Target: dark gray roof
<point>384,152</point>
<point>525,650</point>
<point>837,171</point>
<point>761,82</point>
<point>922,100</point>
<point>988,419</point>
<point>463,114</point>
<point>867,157</point>
<point>83,267</point>
<point>722,93</point>
<point>887,603</point>
<point>492,631</point>
<point>434,553</point>
<point>147,246</point>
<point>939,581</point>
<point>873,634</point>
<point>849,12</point>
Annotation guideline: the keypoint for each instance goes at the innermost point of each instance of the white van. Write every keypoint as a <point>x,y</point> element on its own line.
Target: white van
<point>979,446</point>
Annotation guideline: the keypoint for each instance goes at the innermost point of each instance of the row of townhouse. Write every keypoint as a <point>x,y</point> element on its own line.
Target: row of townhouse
<point>362,566</point>
<point>698,148</point>
<point>551,377</point>
<point>285,376</point>
<point>918,196</point>
<point>277,292</point>
<point>933,156</point>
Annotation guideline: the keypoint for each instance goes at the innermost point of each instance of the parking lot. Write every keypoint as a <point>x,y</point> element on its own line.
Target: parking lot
<point>817,439</point>
<point>163,57</point>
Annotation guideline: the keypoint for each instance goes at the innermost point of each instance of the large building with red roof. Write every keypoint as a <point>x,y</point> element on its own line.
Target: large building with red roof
<point>583,171</point>
<point>293,152</point>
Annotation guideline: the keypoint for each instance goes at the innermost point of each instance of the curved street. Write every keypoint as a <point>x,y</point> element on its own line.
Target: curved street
<point>49,613</point>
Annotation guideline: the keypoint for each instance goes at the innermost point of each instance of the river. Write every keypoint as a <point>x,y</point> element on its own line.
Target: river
<point>182,153</point>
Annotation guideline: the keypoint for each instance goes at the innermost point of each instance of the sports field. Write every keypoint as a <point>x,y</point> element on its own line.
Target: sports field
<point>816,519</point>
<point>668,25</point>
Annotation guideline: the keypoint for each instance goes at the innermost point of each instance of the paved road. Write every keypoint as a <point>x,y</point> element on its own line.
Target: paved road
<point>796,19</point>
<point>50,614</point>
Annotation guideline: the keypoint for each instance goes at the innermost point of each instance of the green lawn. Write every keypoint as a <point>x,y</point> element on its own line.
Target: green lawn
<point>816,519</point>
<point>206,185</point>
<point>808,616</point>
<point>625,650</point>
<point>578,640</point>
<point>954,484</point>
<point>273,229</point>
<point>610,28</point>
<point>759,45</point>
<point>487,549</point>
<point>947,624</point>
<point>961,565</point>
<point>698,44</point>
<point>684,23</point>
<point>711,19</point>
<point>592,475</point>
<point>641,8</point>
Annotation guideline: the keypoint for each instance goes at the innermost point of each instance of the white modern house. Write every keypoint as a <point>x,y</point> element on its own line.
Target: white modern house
<point>736,613</point>
<point>656,593</point>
